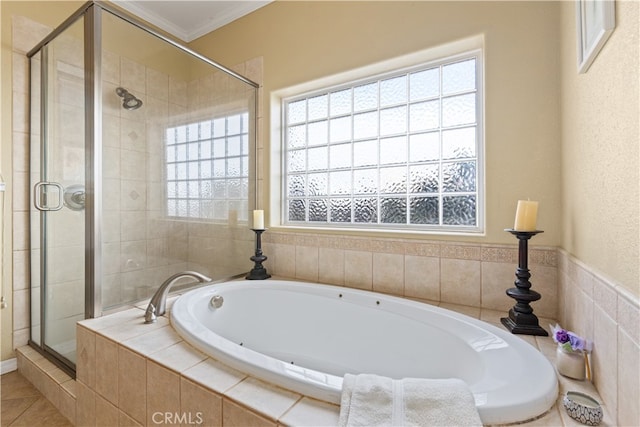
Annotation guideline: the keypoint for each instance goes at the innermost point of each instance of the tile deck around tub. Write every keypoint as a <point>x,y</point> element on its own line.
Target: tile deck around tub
<point>227,395</point>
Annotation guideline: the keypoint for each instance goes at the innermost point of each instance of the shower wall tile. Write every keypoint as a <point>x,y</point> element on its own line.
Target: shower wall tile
<point>69,48</point>
<point>20,112</point>
<point>111,290</point>
<point>133,225</point>
<point>69,264</point>
<point>111,102</point>
<point>110,131</point>
<point>67,230</point>
<point>20,69</point>
<point>175,111</point>
<point>177,91</point>
<point>155,199</point>
<point>20,231</point>
<point>253,69</point>
<point>134,285</point>
<point>133,195</point>
<point>157,84</point>
<point>27,33</point>
<point>21,274</point>
<point>111,257</point>
<point>111,162</point>
<point>110,67</point>
<point>132,165</point>
<point>133,136</point>
<point>21,309</point>
<point>156,169</point>
<point>133,76</point>
<point>20,146</point>
<point>21,191</point>
<point>157,111</point>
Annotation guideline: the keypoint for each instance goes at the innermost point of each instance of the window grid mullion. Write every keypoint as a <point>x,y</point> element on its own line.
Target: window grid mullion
<point>409,163</point>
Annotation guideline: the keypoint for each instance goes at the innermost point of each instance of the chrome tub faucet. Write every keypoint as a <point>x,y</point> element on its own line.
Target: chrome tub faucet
<point>158,304</point>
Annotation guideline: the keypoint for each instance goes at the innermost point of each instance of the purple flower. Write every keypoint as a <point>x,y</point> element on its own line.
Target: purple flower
<point>561,336</point>
<point>570,341</point>
<point>577,343</point>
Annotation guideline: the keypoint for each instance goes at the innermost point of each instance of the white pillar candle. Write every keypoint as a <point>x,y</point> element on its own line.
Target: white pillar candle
<point>258,219</point>
<point>526,215</point>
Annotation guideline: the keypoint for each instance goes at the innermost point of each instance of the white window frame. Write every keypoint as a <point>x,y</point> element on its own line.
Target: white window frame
<point>450,52</point>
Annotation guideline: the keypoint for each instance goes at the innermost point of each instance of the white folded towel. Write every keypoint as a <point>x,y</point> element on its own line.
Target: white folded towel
<point>372,400</point>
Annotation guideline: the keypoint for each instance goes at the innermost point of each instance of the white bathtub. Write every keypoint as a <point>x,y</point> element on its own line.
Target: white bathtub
<point>305,337</point>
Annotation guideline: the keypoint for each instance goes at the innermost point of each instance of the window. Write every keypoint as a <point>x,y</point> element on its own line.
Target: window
<point>208,168</point>
<point>399,150</point>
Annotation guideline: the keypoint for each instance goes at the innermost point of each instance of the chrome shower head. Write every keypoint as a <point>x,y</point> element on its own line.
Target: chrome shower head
<point>129,101</point>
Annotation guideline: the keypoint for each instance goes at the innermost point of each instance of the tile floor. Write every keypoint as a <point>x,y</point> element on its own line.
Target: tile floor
<point>23,405</point>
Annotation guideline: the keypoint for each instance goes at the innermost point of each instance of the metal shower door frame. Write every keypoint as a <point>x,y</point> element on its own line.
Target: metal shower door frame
<point>92,13</point>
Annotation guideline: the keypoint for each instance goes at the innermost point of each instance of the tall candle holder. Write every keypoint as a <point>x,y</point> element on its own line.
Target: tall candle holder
<point>258,272</point>
<point>521,319</point>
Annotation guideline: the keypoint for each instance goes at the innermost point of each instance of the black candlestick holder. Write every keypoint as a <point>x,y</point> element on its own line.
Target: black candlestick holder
<point>521,319</point>
<point>258,272</point>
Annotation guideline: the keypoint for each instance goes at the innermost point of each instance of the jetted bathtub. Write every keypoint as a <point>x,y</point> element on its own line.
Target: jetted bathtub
<point>305,337</point>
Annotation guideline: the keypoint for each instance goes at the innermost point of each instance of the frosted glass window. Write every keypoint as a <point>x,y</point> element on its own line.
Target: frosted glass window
<point>398,151</point>
<point>207,166</point>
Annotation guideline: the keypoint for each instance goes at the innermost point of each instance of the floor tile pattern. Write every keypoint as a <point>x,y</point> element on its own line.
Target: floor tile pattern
<point>23,405</point>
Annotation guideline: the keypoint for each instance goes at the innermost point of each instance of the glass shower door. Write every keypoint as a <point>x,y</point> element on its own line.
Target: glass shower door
<point>58,179</point>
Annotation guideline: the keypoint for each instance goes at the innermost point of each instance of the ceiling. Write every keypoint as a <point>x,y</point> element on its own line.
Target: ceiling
<point>187,19</point>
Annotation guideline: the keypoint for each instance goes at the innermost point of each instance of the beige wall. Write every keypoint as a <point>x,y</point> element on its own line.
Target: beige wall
<point>303,41</point>
<point>600,140</point>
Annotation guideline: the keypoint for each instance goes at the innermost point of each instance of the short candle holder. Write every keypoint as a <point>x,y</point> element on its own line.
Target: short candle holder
<point>521,319</point>
<point>258,272</point>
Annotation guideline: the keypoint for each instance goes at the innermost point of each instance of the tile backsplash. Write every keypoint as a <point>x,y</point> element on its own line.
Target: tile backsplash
<point>476,275</point>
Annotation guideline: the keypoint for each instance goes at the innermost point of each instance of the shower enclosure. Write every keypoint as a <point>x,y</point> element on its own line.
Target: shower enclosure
<point>142,166</point>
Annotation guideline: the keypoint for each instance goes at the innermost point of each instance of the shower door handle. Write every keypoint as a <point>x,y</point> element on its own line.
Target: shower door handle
<point>40,199</point>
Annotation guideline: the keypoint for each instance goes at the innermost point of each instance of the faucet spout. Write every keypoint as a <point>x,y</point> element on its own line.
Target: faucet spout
<point>158,304</point>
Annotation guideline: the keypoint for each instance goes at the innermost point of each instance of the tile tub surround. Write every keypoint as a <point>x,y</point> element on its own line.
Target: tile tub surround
<point>128,371</point>
<point>595,307</point>
<point>475,275</point>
